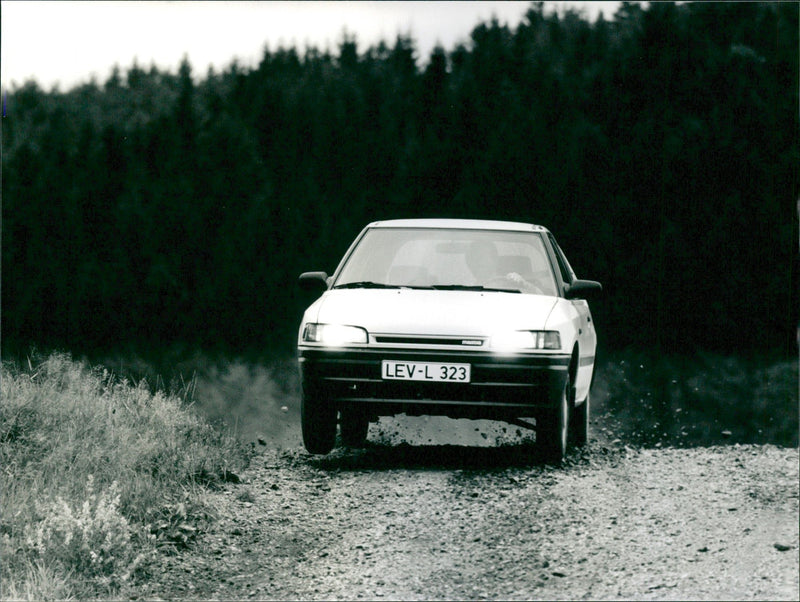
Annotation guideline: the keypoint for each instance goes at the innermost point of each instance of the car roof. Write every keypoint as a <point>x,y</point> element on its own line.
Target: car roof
<point>462,224</point>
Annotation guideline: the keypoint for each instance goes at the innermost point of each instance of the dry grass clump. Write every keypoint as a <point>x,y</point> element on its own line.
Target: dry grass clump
<point>98,477</point>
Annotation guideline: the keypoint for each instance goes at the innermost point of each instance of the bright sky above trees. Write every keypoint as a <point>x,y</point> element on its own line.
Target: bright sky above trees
<point>68,42</point>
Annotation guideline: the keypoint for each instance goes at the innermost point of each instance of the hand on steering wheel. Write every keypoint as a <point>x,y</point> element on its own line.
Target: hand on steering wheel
<point>513,277</point>
<point>504,279</point>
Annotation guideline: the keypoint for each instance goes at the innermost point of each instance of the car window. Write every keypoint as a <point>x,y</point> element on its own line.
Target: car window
<point>424,257</point>
<point>563,265</point>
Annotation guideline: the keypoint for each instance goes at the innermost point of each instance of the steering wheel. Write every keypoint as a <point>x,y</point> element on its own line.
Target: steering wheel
<point>497,281</point>
<point>505,280</point>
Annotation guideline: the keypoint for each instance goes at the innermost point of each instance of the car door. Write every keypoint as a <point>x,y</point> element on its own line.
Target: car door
<point>587,339</point>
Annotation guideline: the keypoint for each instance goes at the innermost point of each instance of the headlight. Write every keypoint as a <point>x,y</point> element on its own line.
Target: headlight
<point>519,340</point>
<point>334,334</point>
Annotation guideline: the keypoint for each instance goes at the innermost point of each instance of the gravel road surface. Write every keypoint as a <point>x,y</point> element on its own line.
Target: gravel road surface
<point>487,519</point>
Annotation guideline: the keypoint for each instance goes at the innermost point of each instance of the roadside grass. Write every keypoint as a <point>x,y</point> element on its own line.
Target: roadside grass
<point>100,476</point>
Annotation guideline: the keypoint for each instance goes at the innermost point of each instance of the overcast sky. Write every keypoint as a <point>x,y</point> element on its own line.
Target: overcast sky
<point>65,43</point>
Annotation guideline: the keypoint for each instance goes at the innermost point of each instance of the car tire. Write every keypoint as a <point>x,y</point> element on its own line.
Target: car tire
<point>318,423</point>
<point>579,423</point>
<point>552,430</point>
<point>354,427</point>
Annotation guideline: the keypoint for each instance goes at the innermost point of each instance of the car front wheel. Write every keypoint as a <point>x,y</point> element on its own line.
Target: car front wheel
<point>552,429</point>
<point>354,427</point>
<point>318,422</point>
<point>579,424</point>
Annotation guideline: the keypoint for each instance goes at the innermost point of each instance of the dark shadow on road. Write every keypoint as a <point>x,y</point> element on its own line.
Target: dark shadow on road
<point>436,457</point>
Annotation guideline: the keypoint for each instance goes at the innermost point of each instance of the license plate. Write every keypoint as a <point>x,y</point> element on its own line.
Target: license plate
<point>425,371</point>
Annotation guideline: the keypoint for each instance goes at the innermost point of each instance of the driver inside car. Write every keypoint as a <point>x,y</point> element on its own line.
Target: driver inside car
<point>483,261</point>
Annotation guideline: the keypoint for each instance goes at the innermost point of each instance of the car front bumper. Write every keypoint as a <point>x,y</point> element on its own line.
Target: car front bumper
<point>501,385</point>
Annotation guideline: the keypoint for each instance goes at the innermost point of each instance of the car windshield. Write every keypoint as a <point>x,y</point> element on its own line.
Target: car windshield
<point>449,259</point>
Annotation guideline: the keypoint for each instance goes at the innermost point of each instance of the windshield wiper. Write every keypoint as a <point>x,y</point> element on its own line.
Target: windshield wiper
<point>365,284</point>
<point>471,287</point>
<point>438,287</point>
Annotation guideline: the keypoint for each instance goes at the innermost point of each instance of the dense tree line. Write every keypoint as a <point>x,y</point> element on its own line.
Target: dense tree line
<point>660,147</point>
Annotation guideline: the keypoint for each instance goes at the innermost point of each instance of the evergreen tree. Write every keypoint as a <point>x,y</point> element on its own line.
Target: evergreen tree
<point>660,147</point>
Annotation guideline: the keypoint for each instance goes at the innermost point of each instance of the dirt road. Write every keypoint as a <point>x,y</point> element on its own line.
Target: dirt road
<point>487,521</point>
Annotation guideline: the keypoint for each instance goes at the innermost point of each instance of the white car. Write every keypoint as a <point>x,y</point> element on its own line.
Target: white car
<point>461,318</point>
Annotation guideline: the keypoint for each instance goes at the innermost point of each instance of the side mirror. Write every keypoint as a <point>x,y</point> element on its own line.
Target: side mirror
<point>313,281</point>
<point>583,289</point>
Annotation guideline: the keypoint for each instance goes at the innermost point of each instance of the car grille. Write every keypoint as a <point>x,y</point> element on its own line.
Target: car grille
<point>417,340</point>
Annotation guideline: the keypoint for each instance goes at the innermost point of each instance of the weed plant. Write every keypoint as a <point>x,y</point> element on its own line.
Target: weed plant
<point>99,476</point>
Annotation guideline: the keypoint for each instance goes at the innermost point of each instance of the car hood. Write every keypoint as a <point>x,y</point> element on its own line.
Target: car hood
<point>412,311</point>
